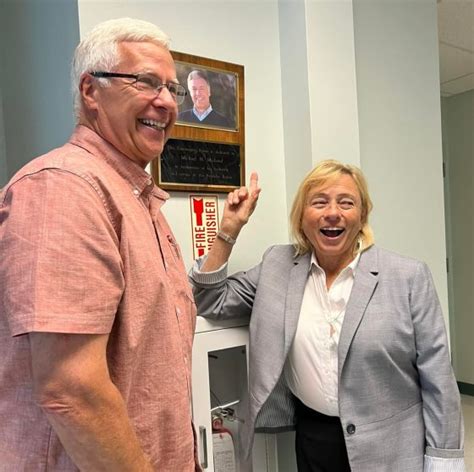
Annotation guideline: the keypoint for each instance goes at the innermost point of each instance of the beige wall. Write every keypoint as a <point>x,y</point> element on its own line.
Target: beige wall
<point>362,87</point>
<point>458,145</point>
<point>38,38</point>
<point>374,101</point>
<point>244,33</point>
<point>398,91</point>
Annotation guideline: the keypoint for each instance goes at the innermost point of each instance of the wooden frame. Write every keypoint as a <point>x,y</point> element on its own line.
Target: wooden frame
<point>206,156</point>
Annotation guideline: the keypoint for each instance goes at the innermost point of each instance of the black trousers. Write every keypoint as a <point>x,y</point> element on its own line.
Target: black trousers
<point>320,445</point>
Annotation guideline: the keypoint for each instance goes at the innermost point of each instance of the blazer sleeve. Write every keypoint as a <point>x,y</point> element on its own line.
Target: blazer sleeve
<point>219,296</point>
<point>442,415</point>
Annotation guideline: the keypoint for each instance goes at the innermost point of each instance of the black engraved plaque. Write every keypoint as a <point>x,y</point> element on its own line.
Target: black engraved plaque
<point>200,163</point>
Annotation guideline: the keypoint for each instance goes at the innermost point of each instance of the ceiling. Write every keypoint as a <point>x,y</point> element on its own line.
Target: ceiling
<point>456,45</point>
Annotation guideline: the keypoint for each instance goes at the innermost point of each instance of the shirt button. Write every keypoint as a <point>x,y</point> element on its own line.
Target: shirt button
<point>136,192</point>
<point>178,311</point>
<point>351,429</point>
<point>149,182</point>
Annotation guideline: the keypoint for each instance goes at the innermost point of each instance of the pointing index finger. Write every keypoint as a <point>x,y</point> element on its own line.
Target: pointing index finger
<point>253,186</point>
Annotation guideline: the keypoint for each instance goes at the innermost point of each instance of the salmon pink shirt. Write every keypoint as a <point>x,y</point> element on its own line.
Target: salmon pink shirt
<point>85,248</point>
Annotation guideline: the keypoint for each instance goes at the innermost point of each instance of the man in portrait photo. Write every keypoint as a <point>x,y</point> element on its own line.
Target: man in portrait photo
<point>202,112</point>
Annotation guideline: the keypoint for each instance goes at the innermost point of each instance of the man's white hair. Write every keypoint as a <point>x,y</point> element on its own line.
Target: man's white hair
<point>98,50</point>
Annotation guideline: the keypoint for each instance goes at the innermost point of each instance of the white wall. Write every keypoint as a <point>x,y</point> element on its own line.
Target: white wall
<point>372,86</point>
<point>373,95</point>
<point>319,102</point>
<point>3,151</point>
<point>355,80</point>
<point>373,78</point>
<point>400,128</point>
<point>243,33</point>
<point>374,102</point>
<point>4,175</point>
<point>332,81</point>
<point>458,145</point>
<point>295,94</point>
<point>38,38</point>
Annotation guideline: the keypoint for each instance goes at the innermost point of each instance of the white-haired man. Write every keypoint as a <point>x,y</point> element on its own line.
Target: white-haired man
<point>96,316</point>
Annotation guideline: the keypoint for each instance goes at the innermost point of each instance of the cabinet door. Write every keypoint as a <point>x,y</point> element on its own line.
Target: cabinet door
<point>219,377</point>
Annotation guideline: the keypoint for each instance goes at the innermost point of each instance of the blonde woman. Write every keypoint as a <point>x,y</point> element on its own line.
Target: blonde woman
<point>347,340</point>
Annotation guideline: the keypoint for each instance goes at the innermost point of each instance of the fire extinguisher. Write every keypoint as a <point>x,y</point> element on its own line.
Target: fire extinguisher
<point>223,446</point>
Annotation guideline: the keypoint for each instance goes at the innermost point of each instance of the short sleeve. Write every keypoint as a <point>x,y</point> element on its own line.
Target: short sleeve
<point>60,264</point>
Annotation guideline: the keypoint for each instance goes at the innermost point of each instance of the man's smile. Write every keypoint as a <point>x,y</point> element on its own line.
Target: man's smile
<point>159,125</point>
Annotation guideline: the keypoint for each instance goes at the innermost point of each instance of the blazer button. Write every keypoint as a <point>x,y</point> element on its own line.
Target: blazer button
<point>351,429</point>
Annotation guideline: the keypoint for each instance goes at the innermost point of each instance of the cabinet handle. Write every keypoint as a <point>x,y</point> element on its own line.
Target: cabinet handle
<point>203,437</point>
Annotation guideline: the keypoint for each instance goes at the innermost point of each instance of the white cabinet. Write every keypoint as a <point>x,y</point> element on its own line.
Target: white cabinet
<point>219,377</point>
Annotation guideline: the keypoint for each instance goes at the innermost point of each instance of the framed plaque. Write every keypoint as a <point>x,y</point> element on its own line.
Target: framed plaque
<point>205,151</point>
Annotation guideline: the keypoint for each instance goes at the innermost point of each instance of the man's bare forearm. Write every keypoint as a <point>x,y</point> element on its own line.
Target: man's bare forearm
<point>96,432</point>
<point>73,387</point>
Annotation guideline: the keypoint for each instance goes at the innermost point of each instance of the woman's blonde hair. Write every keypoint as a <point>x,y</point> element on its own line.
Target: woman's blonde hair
<point>325,172</point>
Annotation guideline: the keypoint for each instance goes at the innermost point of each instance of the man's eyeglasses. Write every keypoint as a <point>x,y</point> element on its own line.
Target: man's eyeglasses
<point>147,84</point>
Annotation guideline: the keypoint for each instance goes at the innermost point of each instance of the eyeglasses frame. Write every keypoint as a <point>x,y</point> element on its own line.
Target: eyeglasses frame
<point>119,75</point>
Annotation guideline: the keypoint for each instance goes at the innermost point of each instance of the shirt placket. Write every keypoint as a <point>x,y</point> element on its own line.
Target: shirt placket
<point>170,254</point>
<point>326,342</point>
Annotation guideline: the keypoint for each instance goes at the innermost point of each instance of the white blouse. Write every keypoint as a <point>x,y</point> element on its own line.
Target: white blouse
<point>311,366</point>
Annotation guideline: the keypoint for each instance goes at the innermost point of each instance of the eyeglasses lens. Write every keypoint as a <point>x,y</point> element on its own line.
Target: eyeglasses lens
<point>152,85</point>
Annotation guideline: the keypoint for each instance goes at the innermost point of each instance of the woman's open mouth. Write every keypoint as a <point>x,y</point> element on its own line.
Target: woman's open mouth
<point>332,232</point>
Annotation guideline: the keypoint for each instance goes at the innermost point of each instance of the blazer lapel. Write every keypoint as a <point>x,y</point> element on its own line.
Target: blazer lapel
<point>365,281</point>
<point>298,276</point>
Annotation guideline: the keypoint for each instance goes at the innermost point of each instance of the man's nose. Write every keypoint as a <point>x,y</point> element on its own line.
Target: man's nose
<point>164,98</point>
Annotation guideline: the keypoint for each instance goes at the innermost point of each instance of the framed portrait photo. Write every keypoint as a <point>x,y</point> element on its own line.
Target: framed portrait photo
<point>206,149</point>
<point>212,99</point>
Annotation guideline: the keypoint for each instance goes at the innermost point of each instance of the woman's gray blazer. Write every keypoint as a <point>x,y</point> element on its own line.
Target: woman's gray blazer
<point>398,400</point>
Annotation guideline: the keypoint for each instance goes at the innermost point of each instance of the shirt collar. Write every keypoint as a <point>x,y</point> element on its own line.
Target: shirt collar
<point>201,116</point>
<point>140,180</point>
<point>350,267</point>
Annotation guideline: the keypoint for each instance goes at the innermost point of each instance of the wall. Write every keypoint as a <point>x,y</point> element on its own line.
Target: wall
<point>232,32</point>
<point>3,150</point>
<point>400,128</point>
<point>458,144</point>
<point>355,80</point>
<point>4,175</point>
<point>295,94</point>
<point>318,85</point>
<point>276,107</point>
<point>332,81</point>
<point>448,231</point>
<point>374,102</point>
<point>40,37</point>
<point>368,95</point>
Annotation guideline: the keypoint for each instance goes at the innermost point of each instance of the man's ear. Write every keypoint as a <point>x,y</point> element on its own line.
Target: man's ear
<point>88,88</point>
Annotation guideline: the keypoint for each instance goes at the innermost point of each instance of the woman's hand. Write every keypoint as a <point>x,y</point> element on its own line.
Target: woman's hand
<point>239,207</point>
